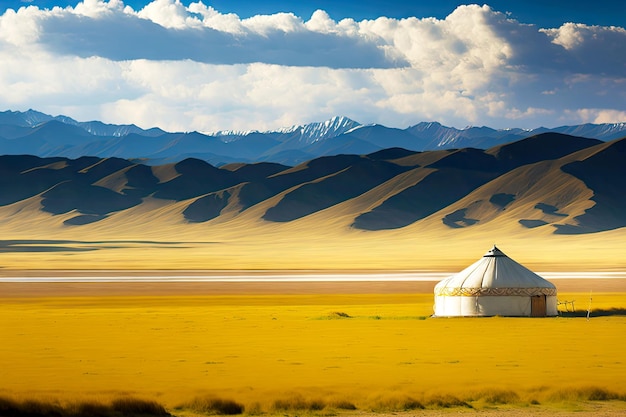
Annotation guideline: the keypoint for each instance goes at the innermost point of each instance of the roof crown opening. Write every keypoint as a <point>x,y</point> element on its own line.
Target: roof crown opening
<point>493,252</point>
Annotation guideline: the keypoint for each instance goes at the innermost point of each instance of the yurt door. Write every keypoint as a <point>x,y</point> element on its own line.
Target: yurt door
<point>538,306</point>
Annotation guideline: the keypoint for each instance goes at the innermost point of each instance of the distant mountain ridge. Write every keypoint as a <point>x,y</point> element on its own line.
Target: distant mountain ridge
<point>36,133</point>
<point>553,182</point>
<point>32,118</point>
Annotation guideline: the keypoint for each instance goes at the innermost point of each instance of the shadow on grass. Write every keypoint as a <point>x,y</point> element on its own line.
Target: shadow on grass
<point>594,313</point>
<point>121,407</point>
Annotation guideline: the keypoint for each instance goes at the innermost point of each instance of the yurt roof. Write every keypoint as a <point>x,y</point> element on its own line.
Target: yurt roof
<point>495,274</point>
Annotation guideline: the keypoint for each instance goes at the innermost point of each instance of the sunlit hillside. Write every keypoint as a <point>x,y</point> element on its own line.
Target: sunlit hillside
<point>553,202</point>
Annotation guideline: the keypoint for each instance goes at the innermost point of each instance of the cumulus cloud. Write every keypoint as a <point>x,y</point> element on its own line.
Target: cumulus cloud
<point>193,68</point>
<point>168,30</point>
<point>601,115</point>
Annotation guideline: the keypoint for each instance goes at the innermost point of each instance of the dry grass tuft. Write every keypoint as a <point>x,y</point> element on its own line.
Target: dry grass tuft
<point>497,396</point>
<point>401,403</point>
<point>339,315</point>
<point>126,407</point>
<point>342,405</point>
<point>212,406</point>
<point>589,393</point>
<point>298,403</point>
<point>133,406</point>
<point>32,408</point>
<point>89,409</point>
<point>446,401</point>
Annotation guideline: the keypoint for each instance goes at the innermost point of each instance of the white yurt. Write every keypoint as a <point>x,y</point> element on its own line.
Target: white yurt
<point>495,285</point>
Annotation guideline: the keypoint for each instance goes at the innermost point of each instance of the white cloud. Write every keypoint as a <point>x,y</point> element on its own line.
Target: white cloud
<point>279,22</point>
<point>591,49</point>
<point>193,68</point>
<point>167,13</point>
<point>167,30</point>
<point>601,115</point>
<point>20,28</point>
<point>568,35</point>
<point>320,21</point>
<point>96,9</point>
<point>211,18</point>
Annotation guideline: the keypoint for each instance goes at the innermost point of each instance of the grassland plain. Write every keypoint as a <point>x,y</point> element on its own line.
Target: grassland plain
<point>311,353</point>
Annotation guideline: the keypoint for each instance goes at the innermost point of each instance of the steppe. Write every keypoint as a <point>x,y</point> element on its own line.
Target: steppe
<point>356,348</point>
<point>302,347</point>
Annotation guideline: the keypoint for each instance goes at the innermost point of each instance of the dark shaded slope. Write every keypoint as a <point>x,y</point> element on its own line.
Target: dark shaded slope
<point>289,157</point>
<point>391,154</point>
<point>23,176</point>
<point>258,182</point>
<point>207,208</point>
<point>91,169</point>
<point>250,191</point>
<point>468,159</point>
<point>196,178</point>
<point>360,176</point>
<point>91,201</point>
<point>605,173</point>
<point>460,172</point>
<point>78,192</point>
<point>141,181</point>
<point>436,191</point>
<point>541,147</point>
<point>456,174</point>
<point>65,185</point>
<point>309,171</point>
<point>259,189</point>
<point>255,171</point>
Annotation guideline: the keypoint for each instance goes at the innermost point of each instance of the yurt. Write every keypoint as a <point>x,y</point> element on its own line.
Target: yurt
<point>495,285</point>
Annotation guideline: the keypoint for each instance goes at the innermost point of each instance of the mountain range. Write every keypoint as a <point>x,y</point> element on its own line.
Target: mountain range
<point>42,135</point>
<point>554,182</point>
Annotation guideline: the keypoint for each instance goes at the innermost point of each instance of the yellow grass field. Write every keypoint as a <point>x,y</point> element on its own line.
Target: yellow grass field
<point>375,352</point>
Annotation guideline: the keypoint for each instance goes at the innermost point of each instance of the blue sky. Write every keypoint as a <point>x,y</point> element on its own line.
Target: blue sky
<point>221,65</point>
<point>548,13</point>
<point>545,13</point>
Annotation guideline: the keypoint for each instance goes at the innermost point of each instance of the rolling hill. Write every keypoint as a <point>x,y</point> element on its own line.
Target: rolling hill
<point>391,209</point>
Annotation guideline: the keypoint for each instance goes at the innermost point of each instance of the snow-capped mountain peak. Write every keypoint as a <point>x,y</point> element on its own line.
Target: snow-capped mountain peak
<point>35,133</point>
<point>309,133</point>
<point>223,133</point>
<point>313,132</point>
<point>335,126</point>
